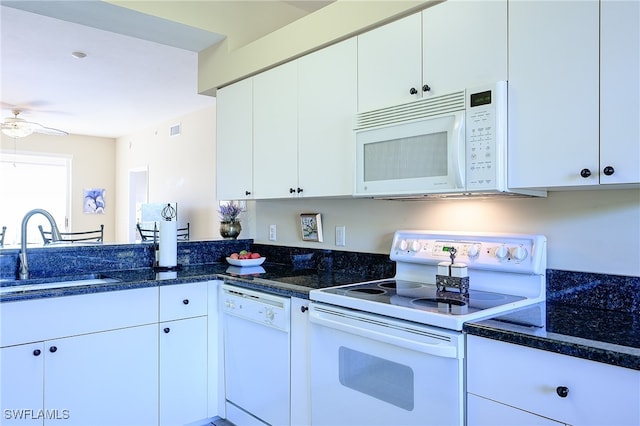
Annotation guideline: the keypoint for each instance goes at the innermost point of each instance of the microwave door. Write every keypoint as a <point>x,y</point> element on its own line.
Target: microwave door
<point>419,157</point>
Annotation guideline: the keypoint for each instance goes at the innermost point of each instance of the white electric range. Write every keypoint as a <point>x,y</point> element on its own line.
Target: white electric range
<point>394,348</point>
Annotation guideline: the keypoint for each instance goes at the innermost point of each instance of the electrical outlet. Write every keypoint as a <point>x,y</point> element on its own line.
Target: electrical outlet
<point>340,236</point>
<point>272,232</point>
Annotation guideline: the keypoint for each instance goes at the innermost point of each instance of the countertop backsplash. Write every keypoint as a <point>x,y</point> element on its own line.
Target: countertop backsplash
<point>590,290</point>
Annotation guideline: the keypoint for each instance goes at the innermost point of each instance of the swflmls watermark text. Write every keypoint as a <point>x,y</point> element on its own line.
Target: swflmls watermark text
<point>31,414</point>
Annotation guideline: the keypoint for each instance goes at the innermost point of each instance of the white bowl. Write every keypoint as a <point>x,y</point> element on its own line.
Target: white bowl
<point>246,262</point>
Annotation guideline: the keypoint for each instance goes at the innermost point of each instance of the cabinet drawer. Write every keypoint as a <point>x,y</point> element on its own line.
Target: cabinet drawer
<point>528,379</point>
<point>183,301</point>
<point>54,317</point>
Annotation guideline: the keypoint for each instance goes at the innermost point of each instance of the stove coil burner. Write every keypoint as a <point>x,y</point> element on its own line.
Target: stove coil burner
<point>443,305</point>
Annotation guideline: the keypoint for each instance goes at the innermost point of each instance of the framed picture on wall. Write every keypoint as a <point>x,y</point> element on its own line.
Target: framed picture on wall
<point>311,226</point>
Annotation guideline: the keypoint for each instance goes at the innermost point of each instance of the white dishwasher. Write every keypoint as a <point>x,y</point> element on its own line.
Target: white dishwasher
<point>256,356</point>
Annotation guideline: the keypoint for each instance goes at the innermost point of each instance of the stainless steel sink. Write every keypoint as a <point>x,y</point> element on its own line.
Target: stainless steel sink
<point>12,286</point>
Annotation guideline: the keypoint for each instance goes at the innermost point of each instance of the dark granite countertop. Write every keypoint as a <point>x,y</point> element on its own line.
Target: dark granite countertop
<point>284,279</point>
<point>595,334</point>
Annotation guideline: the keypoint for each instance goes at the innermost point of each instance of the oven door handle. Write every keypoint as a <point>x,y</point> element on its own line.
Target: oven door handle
<point>383,331</point>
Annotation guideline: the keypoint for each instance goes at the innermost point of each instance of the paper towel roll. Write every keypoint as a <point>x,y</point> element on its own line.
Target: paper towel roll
<point>168,244</point>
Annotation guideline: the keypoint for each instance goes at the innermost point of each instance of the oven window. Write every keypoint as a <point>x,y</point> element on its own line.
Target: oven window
<point>377,377</point>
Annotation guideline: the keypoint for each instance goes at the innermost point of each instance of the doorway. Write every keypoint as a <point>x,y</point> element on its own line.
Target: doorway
<point>138,195</point>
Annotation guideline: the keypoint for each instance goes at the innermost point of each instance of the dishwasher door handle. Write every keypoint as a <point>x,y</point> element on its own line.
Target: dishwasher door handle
<point>385,331</point>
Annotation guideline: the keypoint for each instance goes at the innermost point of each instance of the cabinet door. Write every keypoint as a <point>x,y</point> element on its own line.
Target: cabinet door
<point>300,371</point>
<point>532,380</point>
<point>275,132</point>
<point>553,93</point>
<point>464,45</point>
<point>104,378</point>
<point>390,64</point>
<point>619,89</point>
<point>327,89</point>
<point>183,371</point>
<point>234,166</point>
<point>21,387</point>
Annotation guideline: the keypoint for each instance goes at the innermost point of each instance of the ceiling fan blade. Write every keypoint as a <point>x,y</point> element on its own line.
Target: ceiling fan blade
<point>49,131</point>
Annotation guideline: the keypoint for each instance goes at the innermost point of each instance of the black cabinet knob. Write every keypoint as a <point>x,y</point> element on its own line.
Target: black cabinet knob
<point>292,191</point>
<point>562,391</point>
<point>185,301</point>
<point>299,190</point>
<point>426,88</point>
<point>413,91</point>
<point>585,173</point>
<point>303,309</point>
<point>37,352</point>
<point>609,170</point>
<point>167,329</point>
<point>52,349</point>
<point>247,192</point>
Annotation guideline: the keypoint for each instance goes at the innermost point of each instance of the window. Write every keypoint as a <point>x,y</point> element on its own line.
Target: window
<point>32,181</point>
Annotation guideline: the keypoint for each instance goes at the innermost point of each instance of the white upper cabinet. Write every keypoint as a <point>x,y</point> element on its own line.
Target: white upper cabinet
<point>448,47</point>
<point>571,124</point>
<point>234,160</point>
<point>464,45</point>
<point>390,64</point>
<point>327,98</point>
<point>619,92</point>
<point>275,132</point>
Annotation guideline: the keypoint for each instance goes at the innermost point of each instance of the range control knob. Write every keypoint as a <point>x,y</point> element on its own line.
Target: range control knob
<point>473,251</point>
<point>416,246</point>
<point>519,253</point>
<point>502,252</point>
<point>403,245</point>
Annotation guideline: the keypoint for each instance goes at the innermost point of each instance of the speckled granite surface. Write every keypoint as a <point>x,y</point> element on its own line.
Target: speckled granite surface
<point>591,316</point>
<point>295,273</point>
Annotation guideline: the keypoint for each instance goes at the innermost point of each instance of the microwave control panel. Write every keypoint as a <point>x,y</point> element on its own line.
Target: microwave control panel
<point>486,135</point>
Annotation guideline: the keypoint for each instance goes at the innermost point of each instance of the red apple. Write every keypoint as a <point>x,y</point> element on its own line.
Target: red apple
<point>255,255</point>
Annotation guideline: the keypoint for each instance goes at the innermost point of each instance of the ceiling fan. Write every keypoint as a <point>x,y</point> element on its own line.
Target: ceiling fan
<point>18,128</point>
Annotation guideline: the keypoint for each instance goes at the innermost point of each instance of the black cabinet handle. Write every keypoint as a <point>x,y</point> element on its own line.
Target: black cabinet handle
<point>609,170</point>
<point>562,391</point>
<point>185,301</point>
<point>167,329</point>
<point>585,173</point>
<point>299,190</point>
<point>291,190</point>
<point>413,91</point>
<point>303,309</point>
<point>37,352</point>
<point>426,88</point>
<point>247,192</point>
<point>52,349</point>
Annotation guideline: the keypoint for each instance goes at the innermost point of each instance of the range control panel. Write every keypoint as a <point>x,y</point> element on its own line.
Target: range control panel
<point>521,253</point>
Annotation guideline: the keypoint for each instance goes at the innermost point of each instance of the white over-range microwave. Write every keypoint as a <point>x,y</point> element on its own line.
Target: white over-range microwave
<point>448,145</point>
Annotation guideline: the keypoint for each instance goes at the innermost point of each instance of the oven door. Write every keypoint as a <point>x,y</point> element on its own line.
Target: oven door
<point>372,370</point>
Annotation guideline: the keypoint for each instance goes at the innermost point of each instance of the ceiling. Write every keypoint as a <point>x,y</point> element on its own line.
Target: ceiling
<point>139,70</point>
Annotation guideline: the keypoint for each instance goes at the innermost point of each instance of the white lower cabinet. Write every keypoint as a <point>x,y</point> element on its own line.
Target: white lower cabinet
<point>508,381</point>
<point>132,357</point>
<point>183,371</point>
<point>300,371</point>
<point>183,353</point>
<point>107,378</point>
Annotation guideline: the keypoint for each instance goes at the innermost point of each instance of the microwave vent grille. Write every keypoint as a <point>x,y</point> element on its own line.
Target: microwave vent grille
<point>424,108</point>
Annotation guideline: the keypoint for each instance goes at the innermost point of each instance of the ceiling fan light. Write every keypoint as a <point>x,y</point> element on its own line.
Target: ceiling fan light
<point>17,131</point>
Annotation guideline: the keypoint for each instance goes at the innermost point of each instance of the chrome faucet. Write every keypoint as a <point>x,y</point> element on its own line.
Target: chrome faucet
<point>55,236</point>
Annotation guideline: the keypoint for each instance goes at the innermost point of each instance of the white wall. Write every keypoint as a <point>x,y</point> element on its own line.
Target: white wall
<point>180,169</point>
<point>92,166</point>
<point>589,231</point>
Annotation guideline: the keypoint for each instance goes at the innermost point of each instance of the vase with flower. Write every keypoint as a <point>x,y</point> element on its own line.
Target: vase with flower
<point>229,223</point>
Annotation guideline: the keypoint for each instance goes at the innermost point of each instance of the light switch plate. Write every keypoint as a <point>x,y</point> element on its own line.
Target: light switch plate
<point>341,236</point>
<point>272,232</point>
